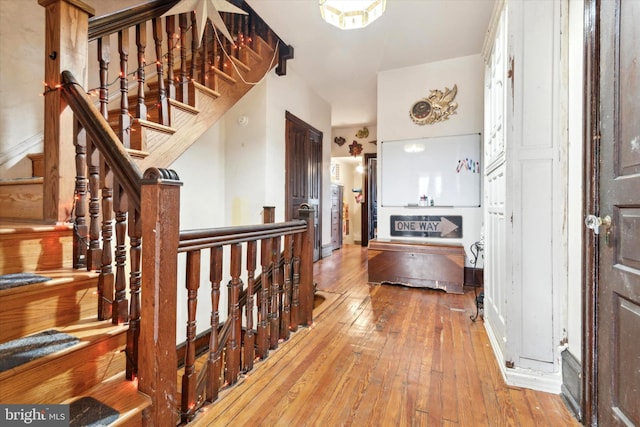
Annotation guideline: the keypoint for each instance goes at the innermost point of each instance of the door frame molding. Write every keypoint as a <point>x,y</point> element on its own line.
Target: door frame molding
<point>591,204</point>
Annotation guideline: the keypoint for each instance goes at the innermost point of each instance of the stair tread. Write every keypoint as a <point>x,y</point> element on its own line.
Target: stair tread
<point>57,277</point>
<point>8,226</point>
<point>119,394</point>
<point>88,331</point>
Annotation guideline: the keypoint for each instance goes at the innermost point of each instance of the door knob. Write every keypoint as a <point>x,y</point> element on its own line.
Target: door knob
<point>595,222</point>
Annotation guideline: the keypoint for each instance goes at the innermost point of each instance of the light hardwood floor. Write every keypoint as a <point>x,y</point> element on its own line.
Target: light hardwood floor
<point>383,355</point>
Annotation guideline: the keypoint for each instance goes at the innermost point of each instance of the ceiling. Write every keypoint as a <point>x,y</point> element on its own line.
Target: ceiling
<point>342,66</point>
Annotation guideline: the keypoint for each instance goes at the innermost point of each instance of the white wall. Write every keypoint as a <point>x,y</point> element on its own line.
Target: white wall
<point>21,76</point>
<point>397,91</point>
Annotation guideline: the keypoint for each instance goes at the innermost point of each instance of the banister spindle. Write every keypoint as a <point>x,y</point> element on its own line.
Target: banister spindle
<point>93,164</point>
<point>80,214</point>
<point>141,42</point>
<point>295,291</point>
<point>249,338</point>
<point>189,383</point>
<point>183,88</point>
<point>106,279</point>
<point>285,320</point>
<point>263,300</point>
<point>194,48</point>
<point>205,66</point>
<point>214,364</point>
<point>120,314</point>
<point>104,56</point>
<point>162,105</point>
<point>275,295</point>
<point>171,44</point>
<point>135,282</point>
<point>233,346</point>
<point>124,118</point>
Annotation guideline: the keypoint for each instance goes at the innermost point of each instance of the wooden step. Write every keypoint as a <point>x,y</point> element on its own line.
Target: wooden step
<point>121,395</point>
<point>69,296</point>
<point>28,246</point>
<point>21,198</point>
<point>60,376</point>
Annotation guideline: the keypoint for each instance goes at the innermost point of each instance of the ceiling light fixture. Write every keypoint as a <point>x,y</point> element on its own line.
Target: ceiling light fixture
<point>351,14</point>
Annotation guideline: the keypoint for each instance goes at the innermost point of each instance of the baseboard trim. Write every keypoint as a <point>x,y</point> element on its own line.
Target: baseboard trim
<point>520,377</point>
<point>571,390</point>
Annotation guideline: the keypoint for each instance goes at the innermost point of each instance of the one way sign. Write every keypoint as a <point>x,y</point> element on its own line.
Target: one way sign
<point>427,226</point>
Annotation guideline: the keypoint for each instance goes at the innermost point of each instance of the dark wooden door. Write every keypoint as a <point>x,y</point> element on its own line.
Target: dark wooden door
<point>369,225</point>
<point>618,246</point>
<point>304,172</point>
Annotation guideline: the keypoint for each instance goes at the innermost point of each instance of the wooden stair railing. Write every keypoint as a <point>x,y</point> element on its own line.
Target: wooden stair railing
<point>230,350</point>
<point>115,208</point>
<point>285,297</point>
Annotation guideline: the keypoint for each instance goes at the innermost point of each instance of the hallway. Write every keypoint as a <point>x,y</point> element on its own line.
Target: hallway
<point>383,356</point>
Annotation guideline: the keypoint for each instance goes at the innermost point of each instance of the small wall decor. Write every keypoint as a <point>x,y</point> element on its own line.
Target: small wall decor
<point>437,107</point>
<point>362,133</point>
<point>339,140</point>
<point>355,148</point>
<point>375,142</point>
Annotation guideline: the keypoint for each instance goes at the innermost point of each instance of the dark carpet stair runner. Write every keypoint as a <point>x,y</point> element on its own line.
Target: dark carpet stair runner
<point>22,350</point>
<point>90,412</point>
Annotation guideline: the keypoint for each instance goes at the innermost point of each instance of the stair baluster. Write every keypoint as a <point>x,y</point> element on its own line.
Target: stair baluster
<point>205,65</point>
<point>93,164</point>
<point>124,118</point>
<point>135,283</point>
<point>295,291</point>
<point>141,43</point>
<point>275,295</point>
<point>120,312</point>
<point>233,344</point>
<point>194,48</point>
<point>170,28</point>
<point>214,363</point>
<point>285,319</point>
<point>189,398</point>
<point>183,86</point>
<point>249,337</point>
<point>162,104</point>
<point>106,279</point>
<point>263,300</point>
<point>80,199</point>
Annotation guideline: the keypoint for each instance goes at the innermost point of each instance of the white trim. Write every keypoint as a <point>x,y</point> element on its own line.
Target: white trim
<point>519,377</point>
<point>28,146</point>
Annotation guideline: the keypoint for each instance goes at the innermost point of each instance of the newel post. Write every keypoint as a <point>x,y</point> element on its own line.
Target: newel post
<point>66,48</point>
<point>307,213</point>
<point>157,358</point>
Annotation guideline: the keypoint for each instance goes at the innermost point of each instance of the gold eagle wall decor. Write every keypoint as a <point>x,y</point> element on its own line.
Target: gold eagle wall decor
<point>436,107</point>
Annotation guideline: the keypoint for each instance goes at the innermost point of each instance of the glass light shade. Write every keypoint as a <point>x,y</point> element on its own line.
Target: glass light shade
<point>351,14</point>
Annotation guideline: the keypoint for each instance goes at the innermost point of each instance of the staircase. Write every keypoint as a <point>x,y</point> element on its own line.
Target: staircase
<point>76,248</point>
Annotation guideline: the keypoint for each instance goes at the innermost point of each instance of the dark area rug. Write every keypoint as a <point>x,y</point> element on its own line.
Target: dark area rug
<point>19,279</point>
<point>15,353</point>
<point>88,411</point>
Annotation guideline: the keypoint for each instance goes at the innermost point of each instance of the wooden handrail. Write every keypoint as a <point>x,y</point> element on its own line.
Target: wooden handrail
<point>112,23</point>
<point>200,239</point>
<point>125,170</point>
